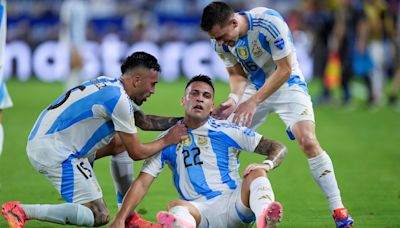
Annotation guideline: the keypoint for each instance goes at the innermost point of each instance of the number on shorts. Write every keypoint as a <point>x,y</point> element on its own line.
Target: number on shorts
<point>87,173</point>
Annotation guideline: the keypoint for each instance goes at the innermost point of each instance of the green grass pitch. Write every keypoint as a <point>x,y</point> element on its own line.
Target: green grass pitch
<point>364,146</point>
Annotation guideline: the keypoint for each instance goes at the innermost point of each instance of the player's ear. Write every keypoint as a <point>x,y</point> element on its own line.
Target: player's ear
<point>136,80</point>
<point>182,99</point>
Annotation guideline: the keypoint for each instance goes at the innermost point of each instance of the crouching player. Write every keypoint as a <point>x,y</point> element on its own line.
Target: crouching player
<point>69,133</point>
<point>205,172</point>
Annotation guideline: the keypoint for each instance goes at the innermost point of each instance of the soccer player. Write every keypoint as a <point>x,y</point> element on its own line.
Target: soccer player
<point>67,134</point>
<point>205,171</point>
<point>257,49</point>
<point>5,100</point>
<point>74,18</point>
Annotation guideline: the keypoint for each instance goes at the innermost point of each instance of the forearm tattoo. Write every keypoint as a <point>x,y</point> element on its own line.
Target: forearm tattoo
<point>154,123</point>
<point>275,150</point>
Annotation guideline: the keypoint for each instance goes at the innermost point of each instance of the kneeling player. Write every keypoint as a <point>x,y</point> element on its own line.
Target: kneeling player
<point>70,131</point>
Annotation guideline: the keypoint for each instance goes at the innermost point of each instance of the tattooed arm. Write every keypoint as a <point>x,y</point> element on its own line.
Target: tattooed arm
<point>275,150</point>
<point>154,123</point>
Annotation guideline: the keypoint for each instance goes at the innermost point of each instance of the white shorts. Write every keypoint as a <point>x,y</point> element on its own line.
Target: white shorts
<point>74,179</point>
<point>226,210</point>
<point>5,99</point>
<point>292,104</point>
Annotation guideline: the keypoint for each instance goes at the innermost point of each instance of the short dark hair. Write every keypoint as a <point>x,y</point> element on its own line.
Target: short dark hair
<point>201,78</point>
<point>215,13</point>
<point>140,59</point>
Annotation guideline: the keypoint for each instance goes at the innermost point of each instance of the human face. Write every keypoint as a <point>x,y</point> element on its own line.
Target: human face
<point>227,34</point>
<point>146,85</point>
<point>198,102</point>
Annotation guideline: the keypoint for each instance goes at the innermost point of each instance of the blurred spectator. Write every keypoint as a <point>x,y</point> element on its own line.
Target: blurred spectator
<point>381,36</point>
<point>349,35</point>
<point>319,21</point>
<point>395,86</point>
<point>343,31</point>
<point>141,25</point>
<point>74,17</point>
<point>302,42</point>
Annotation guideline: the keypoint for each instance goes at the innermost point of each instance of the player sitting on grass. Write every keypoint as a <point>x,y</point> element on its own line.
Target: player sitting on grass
<point>205,172</point>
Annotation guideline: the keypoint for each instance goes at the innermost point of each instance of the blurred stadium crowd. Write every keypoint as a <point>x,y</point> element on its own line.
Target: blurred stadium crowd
<point>337,40</point>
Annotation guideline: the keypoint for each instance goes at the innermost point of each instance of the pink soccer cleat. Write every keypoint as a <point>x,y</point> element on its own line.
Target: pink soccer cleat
<point>272,215</point>
<point>169,220</point>
<point>135,221</point>
<point>14,214</point>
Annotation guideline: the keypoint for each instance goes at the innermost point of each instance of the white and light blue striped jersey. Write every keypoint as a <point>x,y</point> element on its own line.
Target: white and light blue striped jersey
<point>206,164</point>
<point>81,121</point>
<point>5,100</point>
<point>268,39</point>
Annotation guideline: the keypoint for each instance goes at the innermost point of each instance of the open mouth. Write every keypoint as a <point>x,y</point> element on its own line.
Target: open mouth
<point>198,107</point>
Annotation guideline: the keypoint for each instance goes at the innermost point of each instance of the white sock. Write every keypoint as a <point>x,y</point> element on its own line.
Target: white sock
<point>261,195</point>
<point>67,213</point>
<point>322,171</point>
<point>1,138</point>
<point>183,213</point>
<point>121,167</point>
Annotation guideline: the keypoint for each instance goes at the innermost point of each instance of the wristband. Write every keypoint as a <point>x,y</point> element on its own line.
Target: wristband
<point>269,162</point>
<point>234,97</point>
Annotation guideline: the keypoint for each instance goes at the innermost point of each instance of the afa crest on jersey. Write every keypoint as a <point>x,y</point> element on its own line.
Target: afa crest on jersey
<point>256,50</point>
<point>188,141</point>
<point>201,140</point>
<point>243,52</point>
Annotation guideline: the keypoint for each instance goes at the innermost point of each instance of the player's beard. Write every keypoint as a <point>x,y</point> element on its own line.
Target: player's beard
<point>138,102</point>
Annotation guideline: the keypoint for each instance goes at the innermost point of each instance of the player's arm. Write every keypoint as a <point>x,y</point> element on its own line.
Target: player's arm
<point>153,122</point>
<point>114,147</point>
<point>237,79</point>
<point>132,198</point>
<point>275,80</point>
<point>237,82</point>
<point>139,151</point>
<point>124,125</point>
<point>275,152</point>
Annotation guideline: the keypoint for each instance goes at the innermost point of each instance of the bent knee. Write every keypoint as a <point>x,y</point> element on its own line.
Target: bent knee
<point>309,144</point>
<point>258,172</point>
<point>175,203</point>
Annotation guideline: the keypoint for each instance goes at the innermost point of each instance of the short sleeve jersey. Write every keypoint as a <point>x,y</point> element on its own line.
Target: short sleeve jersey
<point>268,39</point>
<point>206,164</point>
<point>81,121</point>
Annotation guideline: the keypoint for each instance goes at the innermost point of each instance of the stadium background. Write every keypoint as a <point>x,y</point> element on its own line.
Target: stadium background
<point>362,142</point>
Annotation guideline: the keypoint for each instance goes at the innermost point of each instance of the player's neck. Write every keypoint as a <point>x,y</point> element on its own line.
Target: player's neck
<point>194,123</point>
<point>243,24</point>
<point>125,83</point>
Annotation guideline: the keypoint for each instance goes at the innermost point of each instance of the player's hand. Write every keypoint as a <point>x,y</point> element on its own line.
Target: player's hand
<point>244,113</point>
<point>255,166</point>
<point>176,134</point>
<point>224,110</point>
